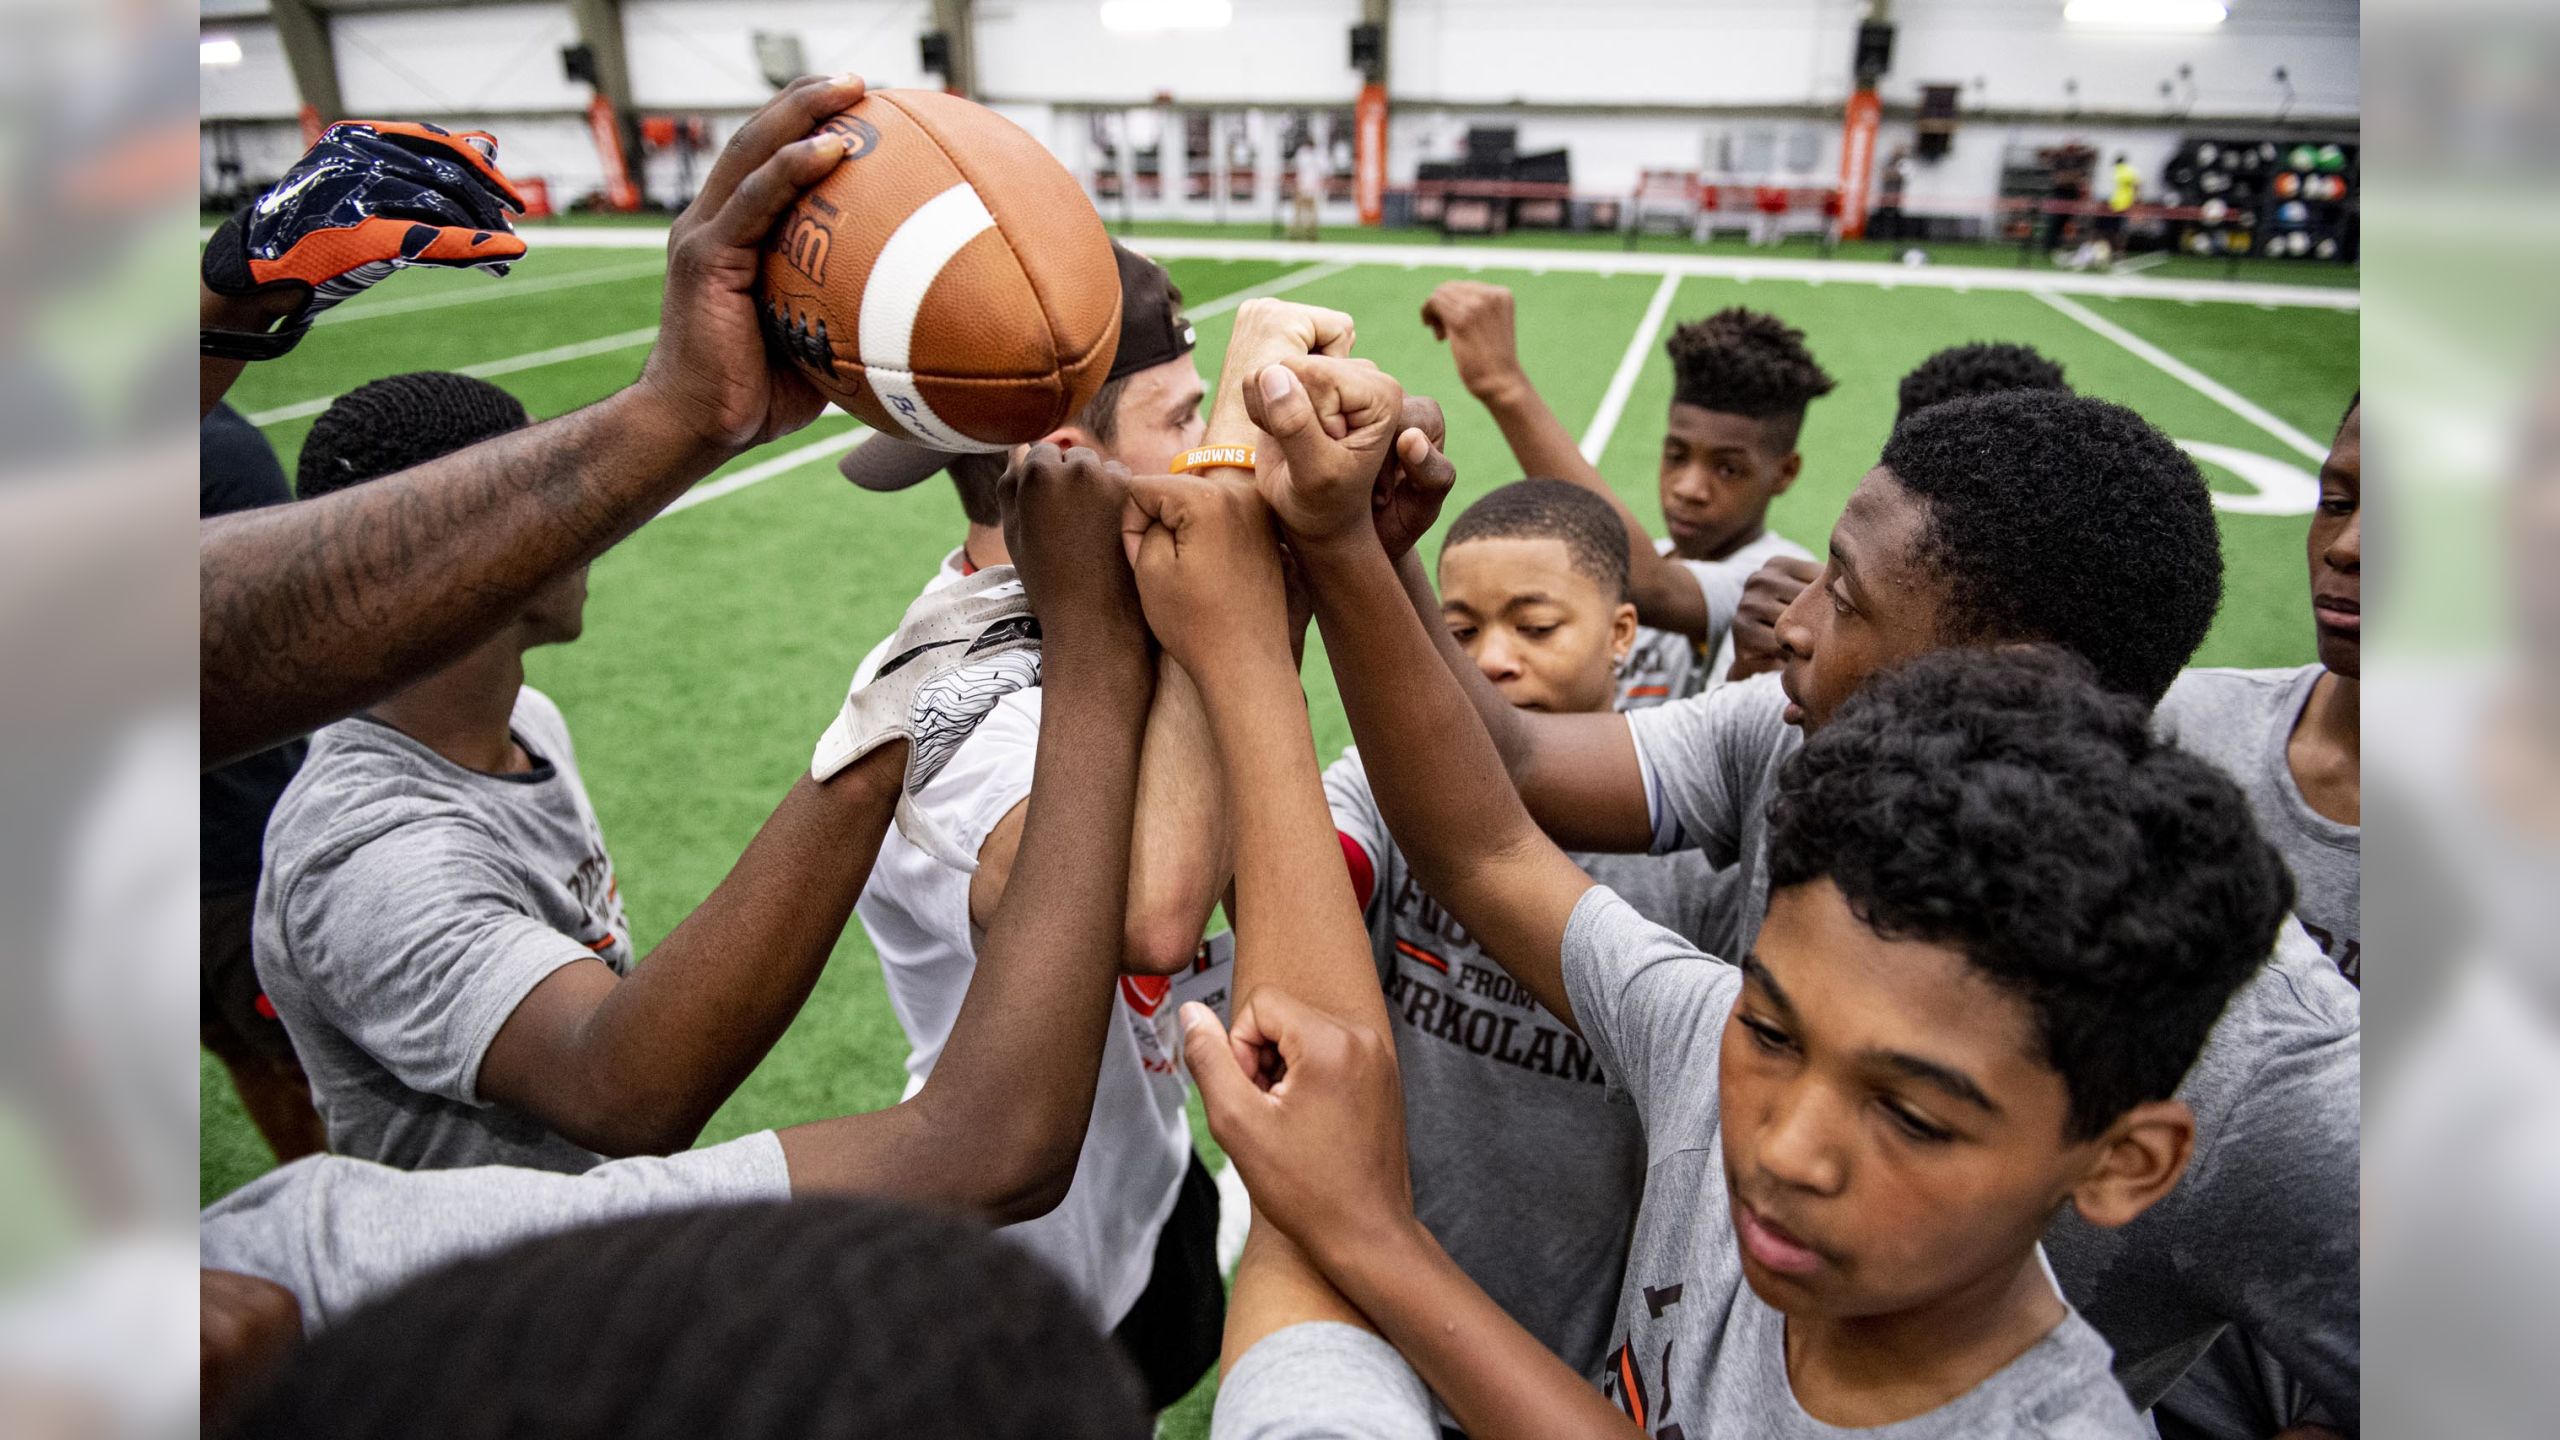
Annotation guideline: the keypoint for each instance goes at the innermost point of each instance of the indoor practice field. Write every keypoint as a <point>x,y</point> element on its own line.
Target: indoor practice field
<point>720,637</point>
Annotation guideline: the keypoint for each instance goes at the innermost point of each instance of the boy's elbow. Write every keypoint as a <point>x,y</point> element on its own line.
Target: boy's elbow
<point>1033,1184</point>
<point>622,1136</point>
<point>1160,944</point>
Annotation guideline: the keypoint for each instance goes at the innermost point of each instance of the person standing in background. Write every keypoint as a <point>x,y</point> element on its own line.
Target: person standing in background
<point>1886,224</point>
<point>1310,168</point>
<point>2126,188</point>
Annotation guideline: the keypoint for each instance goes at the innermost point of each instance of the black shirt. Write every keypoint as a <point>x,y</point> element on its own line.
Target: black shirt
<point>239,472</point>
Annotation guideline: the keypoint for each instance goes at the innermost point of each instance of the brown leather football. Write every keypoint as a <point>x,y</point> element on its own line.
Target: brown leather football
<point>949,281</point>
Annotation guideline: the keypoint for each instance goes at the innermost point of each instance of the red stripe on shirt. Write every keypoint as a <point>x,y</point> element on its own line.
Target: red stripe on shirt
<point>1364,876</point>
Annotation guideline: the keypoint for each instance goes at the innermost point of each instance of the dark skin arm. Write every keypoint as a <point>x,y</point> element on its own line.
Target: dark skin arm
<point>1477,321</point>
<point>1001,1121</point>
<point>636,1064</point>
<point>247,1331</point>
<point>1323,1151</point>
<point>1295,1082</point>
<point>1210,573</point>
<point>314,610</point>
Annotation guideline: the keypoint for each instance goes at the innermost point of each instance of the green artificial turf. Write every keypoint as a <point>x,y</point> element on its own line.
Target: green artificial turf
<point>719,640</point>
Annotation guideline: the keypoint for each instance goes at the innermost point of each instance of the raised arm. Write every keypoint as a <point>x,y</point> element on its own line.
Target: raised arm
<point>1439,781</point>
<point>1478,322</point>
<point>637,1064</point>
<point>999,1124</point>
<point>1181,853</point>
<point>1322,1151</point>
<point>313,610</point>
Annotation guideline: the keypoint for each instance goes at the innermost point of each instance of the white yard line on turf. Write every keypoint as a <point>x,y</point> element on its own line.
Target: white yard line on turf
<point>2203,384</point>
<point>504,289</point>
<point>763,470</point>
<point>1613,402</point>
<point>535,360</point>
<point>1622,262</point>
<point>1280,285</point>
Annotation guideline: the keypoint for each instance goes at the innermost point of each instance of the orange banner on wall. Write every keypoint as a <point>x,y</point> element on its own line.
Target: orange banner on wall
<point>619,192</point>
<point>1858,161</point>
<point>1369,175</point>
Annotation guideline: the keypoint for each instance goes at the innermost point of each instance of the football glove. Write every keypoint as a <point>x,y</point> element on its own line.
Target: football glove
<point>959,650</point>
<point>372,197</point>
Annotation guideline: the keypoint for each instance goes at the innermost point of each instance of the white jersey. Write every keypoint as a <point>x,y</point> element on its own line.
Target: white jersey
<point>1102,1238</point>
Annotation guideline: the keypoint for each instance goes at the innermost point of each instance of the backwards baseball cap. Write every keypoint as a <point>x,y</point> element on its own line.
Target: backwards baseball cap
<point>1153,330</point>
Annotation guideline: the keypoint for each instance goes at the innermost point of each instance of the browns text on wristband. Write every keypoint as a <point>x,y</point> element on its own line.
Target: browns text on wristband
<point>1214,457</point>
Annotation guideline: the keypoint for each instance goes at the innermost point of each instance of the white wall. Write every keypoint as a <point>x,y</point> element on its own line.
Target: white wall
<point>1623,52</point>
<point>1453,62</point>
<point>2022,52</point>
<point>700,54</point>
<point>433,62</point>
<point>261,85</point>
<point>1277,50</point>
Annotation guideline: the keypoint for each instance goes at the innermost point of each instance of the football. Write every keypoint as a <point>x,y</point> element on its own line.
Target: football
<point>948,281</point>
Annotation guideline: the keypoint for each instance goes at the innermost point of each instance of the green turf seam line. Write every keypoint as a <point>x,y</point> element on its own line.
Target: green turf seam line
<point>2203,384</point>
<point>535,360</point>
<point>1277,285</point>
<point>503,290</point>
<point>764,470</point>
<point>1613,401</point>
<point>1880,274</point>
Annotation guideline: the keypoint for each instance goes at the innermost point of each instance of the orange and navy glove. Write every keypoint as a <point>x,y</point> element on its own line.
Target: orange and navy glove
<point>372,197</point>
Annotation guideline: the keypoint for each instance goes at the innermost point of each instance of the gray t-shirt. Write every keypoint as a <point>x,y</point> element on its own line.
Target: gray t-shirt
<point>340,1233</point>
<point>1695,1347</point>
<point>2242,721</point>
<point>1664,665</point>
<point>1710,766</point>
<point>408,907</point>
<point>1322,1379</point>
<point>1526,1161</point>
<point>2262,1232</point>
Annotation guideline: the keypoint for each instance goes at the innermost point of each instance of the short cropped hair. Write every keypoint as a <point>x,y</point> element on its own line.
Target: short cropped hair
<point>1985,367</point>
<point>1746,362</point>
<point>975,477</point>
<point>2000,802</point>
<point>2060,518</point>
<point>1594,538</point>
<point>749,1322</point>
<point>388,425</point>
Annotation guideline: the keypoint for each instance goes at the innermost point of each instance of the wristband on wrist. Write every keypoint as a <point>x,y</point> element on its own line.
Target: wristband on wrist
<point>244,345</point>
<point>1215,457</point>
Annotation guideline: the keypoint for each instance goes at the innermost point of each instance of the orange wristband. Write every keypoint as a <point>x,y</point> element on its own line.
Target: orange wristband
<point>1215,457</point>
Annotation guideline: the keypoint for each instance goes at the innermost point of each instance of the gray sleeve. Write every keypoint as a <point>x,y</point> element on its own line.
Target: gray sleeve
<point>1652,1007</point>
<point>339,1232</point>
<point>1322,1381</point>
<point>419,944</point>
<point>1720,582</point>
<point>2276,1212</point>
<point>1696,753</point>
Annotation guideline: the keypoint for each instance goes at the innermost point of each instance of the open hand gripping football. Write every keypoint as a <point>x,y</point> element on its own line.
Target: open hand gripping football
<point>372,197</point>
<point>960,649</point>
